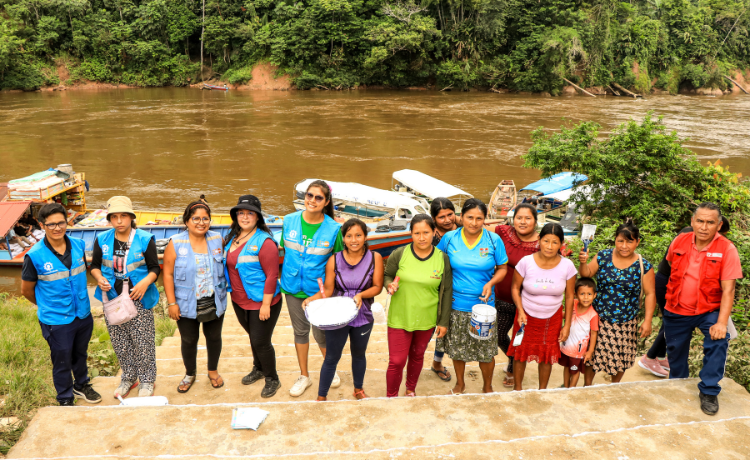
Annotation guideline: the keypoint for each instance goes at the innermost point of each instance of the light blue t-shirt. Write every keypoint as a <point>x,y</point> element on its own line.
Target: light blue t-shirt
<point>472,266</point>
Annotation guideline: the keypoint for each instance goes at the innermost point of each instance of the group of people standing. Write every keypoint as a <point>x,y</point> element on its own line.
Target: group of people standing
<point>588,324</point>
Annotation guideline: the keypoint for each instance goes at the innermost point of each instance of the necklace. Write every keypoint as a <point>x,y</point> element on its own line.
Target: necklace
<point>237,241</point>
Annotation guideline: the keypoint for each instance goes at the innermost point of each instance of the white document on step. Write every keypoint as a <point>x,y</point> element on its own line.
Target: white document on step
<point>248,418</point>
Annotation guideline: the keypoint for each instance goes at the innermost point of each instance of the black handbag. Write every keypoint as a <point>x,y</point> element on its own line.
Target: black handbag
<point>206,309</point>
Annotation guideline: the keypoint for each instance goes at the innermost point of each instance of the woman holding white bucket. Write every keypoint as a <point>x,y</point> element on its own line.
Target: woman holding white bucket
<point>478,260</point>
<point>539,283</point>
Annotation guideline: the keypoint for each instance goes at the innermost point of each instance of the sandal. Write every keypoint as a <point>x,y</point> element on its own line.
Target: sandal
<point>454,393</point>
<point>188,380</point>
<point>444,375</point>
<point>360,394</point>
<point>509,381</point>
<point>213,382</point>
<point>411,393</point>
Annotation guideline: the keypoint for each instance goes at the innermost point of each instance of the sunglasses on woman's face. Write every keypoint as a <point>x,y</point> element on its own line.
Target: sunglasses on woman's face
<point>317,198</point>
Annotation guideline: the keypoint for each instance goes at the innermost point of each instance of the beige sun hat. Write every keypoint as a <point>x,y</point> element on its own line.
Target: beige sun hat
<point>120,204</point>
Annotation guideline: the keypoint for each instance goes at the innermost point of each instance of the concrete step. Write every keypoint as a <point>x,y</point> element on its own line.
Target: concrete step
<point>629,420</point>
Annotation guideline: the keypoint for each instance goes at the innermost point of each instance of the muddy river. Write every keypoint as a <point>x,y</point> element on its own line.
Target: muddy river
<point>164,147</point>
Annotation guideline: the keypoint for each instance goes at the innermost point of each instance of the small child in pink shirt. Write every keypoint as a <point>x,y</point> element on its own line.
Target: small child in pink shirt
<point>578,348</point>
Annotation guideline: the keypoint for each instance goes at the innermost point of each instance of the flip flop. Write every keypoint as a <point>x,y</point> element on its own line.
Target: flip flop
<point>445,377</point>
<point>216,380</point>
<point>188,380</point>
<point>509,382</point>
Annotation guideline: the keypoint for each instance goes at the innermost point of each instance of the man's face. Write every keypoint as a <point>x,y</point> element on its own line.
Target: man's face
<point>705,223</point>
<point>55,226</point>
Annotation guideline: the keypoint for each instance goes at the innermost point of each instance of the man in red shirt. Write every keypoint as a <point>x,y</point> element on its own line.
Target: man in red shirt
<point>700,294</point>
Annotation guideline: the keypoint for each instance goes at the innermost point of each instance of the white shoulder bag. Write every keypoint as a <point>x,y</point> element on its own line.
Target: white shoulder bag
<point>121,309</point>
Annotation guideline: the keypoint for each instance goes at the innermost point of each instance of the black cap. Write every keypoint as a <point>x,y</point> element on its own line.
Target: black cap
<point>248,202</point>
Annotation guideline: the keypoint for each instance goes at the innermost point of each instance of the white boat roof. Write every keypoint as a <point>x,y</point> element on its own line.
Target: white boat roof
<point>565,194</point>
<point>364,194</point>
<point>428,185</point>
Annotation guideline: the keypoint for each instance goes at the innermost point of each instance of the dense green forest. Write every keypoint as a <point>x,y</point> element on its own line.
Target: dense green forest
<point>522,45</point>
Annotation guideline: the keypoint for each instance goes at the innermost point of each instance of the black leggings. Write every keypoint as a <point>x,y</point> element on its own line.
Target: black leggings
<point>260,332</point>
<point>659,347</point>
<point>190,333</point>
<point>506,314</point>
<point>336,339</point>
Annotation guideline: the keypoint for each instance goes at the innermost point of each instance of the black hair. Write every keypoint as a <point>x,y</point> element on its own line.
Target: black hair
<point>423,218</point>
<point>49,209</point>
<point>710,206</point>
<point>472,203</point>
<point>552,228</point>
<point>323,185</point>
<point>725,226</point>
<point>530,207</point>
<point>585,282</point>
<point>191,208</point>
<point>351,223</point>
<point>440,203</point>
<point>628,230</point>
<point>235,228</point>
<point>132,220</point>
<point>203,197</point>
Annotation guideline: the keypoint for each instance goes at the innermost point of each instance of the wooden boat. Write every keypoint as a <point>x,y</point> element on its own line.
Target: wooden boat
<point>421,185</point>
<point>503,199</point>
<point>364,202</point>
<point>214,87</point>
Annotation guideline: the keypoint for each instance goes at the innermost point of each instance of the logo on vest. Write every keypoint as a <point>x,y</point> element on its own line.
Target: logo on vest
<point>105,249</point>
<point>48,266</point>
<point>714,254</point>
<point>253,248</point>
<point>183,251</point>
<point>326,244</point>
<point>293,234</point>
<point>217,252</point>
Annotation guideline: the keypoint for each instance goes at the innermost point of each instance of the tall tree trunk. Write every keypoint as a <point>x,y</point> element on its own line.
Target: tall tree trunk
<point>203,28</point>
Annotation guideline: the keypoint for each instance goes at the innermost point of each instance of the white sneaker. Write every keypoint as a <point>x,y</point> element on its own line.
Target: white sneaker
<point>124,389</point>
<point>146,389</point>
<point>336,382</point>
<point>299,387</point>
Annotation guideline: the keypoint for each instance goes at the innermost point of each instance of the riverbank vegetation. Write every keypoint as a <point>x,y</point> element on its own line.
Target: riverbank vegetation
<point>25,367</point>
<point>641,170</point>
<point>522,45</point>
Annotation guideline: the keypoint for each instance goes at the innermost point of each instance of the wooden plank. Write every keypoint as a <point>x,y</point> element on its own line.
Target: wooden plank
<point>737,84</point>
<point>578,87</point>
<point>626,91</point>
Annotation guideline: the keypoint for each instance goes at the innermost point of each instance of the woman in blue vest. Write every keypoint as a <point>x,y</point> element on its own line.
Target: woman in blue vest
<point>251,261</point>
<point>309,238</point>
<point>196,291</point>
<point>121,254</point>
<point>478,261</point>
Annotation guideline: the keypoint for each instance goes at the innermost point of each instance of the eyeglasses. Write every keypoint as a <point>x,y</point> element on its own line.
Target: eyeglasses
<point>245,213</point>
<point>55,225</point>
<point>197,220</point>
<point>317,198</point>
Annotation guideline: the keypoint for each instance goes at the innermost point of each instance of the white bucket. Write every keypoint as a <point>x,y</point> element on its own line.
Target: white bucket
<point>483,320</point>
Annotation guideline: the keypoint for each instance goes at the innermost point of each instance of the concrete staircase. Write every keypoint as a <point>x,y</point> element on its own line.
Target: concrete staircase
<point>642,418</point>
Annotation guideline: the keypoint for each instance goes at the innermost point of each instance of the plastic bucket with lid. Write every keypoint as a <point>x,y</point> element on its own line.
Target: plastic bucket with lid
<point>483,320</point>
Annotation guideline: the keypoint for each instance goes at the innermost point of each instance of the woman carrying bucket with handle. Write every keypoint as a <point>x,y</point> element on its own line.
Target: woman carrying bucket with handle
<point>355,272</point>
<point>477,259</point>
<point>419,277</point>
<point>539,284</point>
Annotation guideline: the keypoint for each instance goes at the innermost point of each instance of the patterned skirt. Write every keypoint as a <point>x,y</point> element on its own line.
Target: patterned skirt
<point>616,346</point>
<point>461,346</point>
<point>540,339</point>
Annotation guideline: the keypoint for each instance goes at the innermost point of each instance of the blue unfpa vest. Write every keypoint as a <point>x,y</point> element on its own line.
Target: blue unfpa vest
<point>135,265</point>
<point>248,266</point>
<point>185,270</point>
<point>61,294</point>
<point>304,265</point>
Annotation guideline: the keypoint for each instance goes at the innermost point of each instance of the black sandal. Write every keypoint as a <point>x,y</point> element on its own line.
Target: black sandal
<point>188,380</point>
<point>442,375</point>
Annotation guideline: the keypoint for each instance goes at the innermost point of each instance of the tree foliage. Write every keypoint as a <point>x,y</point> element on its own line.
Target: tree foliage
<point>525,45</point>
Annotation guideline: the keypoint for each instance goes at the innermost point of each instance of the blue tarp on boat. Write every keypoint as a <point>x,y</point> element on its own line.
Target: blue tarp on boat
<point>556,183</point>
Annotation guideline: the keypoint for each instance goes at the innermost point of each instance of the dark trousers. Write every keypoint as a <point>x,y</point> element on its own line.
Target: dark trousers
<point>261,332</point>
<point>189,335</point>
<point>68,345</point>
<point>679,330</point>
<point>335,341</point>
<point>659,347</point>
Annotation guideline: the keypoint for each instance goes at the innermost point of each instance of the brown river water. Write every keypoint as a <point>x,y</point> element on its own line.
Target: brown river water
<point>163,147</point>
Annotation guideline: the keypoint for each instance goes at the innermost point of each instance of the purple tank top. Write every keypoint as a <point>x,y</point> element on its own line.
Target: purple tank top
<point>353,279</point>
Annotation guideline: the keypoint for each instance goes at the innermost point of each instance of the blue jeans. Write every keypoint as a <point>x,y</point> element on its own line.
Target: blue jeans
<point>678,330</point>
<point>68,345</point>
<point>335,341</point>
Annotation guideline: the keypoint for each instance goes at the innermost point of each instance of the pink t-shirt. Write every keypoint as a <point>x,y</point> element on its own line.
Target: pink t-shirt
<point>580,332</point>
<point>543,290</point>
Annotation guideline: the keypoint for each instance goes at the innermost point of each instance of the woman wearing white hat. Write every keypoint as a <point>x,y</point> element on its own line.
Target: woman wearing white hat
<point>125,254</point>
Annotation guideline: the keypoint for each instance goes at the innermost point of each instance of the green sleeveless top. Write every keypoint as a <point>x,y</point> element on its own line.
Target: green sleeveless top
<point>414,307</point>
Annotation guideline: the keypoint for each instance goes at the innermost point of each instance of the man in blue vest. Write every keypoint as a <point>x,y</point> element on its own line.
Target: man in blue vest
<point>54,278</point>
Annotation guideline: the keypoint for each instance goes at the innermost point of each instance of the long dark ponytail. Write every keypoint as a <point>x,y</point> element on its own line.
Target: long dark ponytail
<point>326,189</point>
